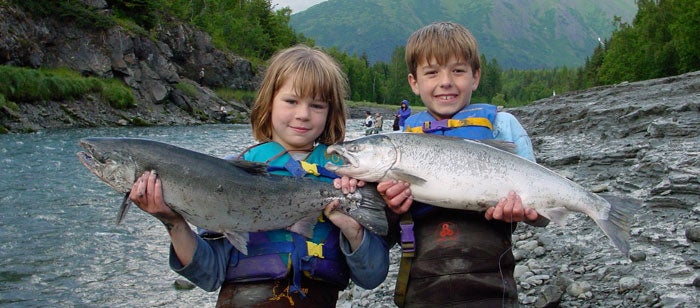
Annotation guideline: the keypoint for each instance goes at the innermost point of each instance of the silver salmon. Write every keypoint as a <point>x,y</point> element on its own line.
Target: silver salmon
<point>232,197</point>
<point>470,175</point>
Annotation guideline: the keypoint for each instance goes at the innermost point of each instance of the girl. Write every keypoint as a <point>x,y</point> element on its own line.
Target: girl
<point>299,110</point>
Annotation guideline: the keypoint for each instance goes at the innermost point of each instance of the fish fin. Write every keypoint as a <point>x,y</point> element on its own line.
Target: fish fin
<point>616,226</point>
<point>238,240</point>
<point>399,174</point>
<point>556,214</point>
<point>370,212</point>
<point>254,168</point>
<point>124,208</point>
<point>305,226</point>
<point>499,144</point>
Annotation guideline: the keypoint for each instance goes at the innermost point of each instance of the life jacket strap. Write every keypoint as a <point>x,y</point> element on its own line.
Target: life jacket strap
<point>301,168</point>
<point>408,249</point>
<point>438,125</point>
<point>298,254</point>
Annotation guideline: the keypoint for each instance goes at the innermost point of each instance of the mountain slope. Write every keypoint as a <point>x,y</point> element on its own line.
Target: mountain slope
<point>519,34</point>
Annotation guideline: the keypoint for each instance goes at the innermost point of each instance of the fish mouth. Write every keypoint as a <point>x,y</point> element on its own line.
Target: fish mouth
<point>348,160</point>
<point>87,160</point>
<point>91,160</point>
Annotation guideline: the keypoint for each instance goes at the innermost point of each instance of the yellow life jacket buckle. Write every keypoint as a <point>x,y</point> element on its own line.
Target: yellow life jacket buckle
<point>310,168</point>
<point>314,249</point>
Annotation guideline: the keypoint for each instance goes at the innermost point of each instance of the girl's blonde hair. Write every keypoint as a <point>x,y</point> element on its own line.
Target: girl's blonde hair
<point>315,74</point>
<point>441,40</point>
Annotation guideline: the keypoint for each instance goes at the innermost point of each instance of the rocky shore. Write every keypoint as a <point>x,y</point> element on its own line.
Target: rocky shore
<point>639,140</point>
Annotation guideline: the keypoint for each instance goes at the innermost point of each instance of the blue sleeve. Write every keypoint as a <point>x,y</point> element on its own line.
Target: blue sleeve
<point>368,267</point>
<point>207,269</point>
<point>507,128</point>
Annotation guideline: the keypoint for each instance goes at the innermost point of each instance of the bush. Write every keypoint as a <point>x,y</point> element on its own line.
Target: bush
<point>67,11</point>
<point>6,103</point>
<point>118,95</point>
<point>244,96</point>
<point>28,85</point>
<point>187,88</point>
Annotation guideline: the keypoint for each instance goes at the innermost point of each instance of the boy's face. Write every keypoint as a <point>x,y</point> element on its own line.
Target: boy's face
<point>444,89</point>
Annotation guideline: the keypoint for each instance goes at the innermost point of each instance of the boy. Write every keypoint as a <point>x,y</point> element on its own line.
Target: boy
<point>475,263</point>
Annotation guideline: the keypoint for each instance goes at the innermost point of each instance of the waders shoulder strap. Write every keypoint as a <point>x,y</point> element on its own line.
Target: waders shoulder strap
<point>408,249</point>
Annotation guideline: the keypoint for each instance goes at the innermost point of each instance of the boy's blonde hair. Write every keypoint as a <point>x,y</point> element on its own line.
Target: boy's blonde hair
<point>441,40</point>
<point>315,74</point>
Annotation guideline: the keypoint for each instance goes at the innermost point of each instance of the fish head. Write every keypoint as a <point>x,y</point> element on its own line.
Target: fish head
<point>367,158</point>
<point>106,160</point>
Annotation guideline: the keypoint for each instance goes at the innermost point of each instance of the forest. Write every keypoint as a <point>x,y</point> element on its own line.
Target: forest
<point>661,41</point>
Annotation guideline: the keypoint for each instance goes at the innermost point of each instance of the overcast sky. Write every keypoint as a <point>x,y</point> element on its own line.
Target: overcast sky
<point>295,5</point>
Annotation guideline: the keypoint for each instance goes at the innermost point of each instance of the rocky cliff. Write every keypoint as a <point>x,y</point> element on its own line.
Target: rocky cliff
<point>151,64</point>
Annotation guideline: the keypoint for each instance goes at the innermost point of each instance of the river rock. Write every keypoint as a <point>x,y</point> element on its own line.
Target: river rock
<point>638,140</point>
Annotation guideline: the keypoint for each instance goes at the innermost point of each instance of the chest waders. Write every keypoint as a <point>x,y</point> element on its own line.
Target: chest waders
<point>475,121</point>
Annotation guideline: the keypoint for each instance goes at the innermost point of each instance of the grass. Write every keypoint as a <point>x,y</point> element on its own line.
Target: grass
<point>24,85</point>
<point>238,95</point>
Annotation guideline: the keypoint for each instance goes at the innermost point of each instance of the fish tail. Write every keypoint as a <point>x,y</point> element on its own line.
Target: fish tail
<point>616,226</point>
<point>370,212</point>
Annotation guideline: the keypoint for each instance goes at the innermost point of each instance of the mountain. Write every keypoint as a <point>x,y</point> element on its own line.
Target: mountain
<point>519,34</point>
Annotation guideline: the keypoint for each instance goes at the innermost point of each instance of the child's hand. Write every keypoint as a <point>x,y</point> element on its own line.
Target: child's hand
<point>397,195</point>
<point>347,185</point>
<point>352,230</point>
<point>511,209</point>
<point>147,194</point>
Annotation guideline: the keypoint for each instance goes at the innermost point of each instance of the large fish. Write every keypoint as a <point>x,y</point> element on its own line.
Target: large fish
<point>471,175</point>
<point>232,197</point>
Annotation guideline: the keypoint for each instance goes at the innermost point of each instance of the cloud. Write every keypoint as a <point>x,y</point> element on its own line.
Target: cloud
<point>295,5</point>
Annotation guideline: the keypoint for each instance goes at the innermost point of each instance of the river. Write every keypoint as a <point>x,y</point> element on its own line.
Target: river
<point>59,244</point>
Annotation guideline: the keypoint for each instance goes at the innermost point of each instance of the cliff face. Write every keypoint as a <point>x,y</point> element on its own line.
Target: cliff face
<point>151,65</point>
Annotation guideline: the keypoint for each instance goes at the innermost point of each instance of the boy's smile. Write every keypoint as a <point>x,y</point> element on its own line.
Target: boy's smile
<point>444,88</point>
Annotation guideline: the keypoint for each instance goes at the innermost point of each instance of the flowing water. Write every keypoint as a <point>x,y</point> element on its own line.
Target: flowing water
<point>59,245</point>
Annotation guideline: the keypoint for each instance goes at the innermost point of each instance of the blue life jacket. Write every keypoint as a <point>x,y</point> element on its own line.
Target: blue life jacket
<point>474,121</point>
<point>273,254</point>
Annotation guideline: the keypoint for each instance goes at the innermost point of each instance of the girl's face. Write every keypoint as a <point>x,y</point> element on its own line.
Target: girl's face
<point>297,121</point>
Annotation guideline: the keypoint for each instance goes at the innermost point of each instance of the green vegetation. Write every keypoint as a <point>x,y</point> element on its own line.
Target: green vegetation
<point>530,34</point>
<point>4,103</point>
<point>249,28</point>
<point>415,106</point>
<point>238,95</point>
<point>117,94</point>
<point>187,88</point>
<point>67,11</point>
<point>23,85</point>
<point>661,41</point>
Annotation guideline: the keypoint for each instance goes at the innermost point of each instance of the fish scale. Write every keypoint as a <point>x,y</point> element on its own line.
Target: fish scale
<point>473,175</point>
<point>232,197</point>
